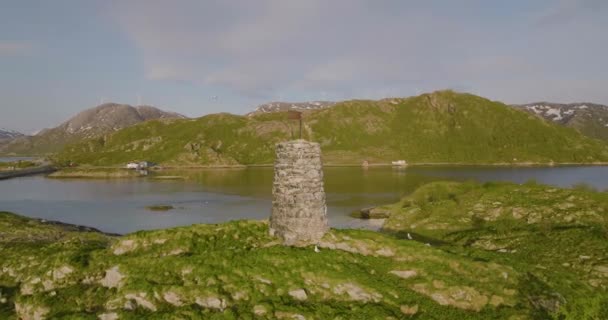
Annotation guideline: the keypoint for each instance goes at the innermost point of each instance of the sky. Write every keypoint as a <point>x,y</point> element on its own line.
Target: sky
<point>198,57</point>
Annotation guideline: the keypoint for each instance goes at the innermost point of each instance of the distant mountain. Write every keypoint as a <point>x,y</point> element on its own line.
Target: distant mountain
<point>6,134</point>
<point>285,106</point>
<point>91,123</point>
<point>589,118</point>
<point>439,127</point>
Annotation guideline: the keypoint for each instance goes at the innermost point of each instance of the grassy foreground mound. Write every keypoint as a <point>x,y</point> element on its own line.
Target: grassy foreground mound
<point>440,127</point>
<point>236,271</point>
<point>556,238</point>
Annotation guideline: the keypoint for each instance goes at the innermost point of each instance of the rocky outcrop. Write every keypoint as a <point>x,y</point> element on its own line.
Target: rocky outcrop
<point>299,212</point>
<point>372,213</point>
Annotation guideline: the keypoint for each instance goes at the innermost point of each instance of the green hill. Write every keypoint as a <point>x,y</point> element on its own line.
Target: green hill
<point>90,123</point>
<point>558,237</point>
<point>441,127</point>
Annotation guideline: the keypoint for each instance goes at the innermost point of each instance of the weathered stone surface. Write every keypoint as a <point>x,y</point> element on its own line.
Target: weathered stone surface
<point>112,278</point>
<point>259,310</point>
<point>356,293</point>
<point>409,310</point>
<point>140,300</point>
<point>212,303</point>
<point>108,316</point>
<point>173,298</point>
<point>299,213</point>
<point>298,294</point>
<point>405,274</point>
<point>31,312</point>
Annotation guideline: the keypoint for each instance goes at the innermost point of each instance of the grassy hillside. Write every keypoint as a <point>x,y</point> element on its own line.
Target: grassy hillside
<point>236,271</point>
<point>557,237</point>
<point>90,123</point>
<point>444,126</point>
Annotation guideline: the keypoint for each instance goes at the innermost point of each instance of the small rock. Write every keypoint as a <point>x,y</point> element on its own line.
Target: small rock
<point>108,316</point>
<point>497,301</point>
<point>125,246</point>
<point>129,305</point>
<point>176,252</point>
<point>140,299</point>
<point>264,280</point>
<point>259,310</point>
<point>211,303</point>
<point>385,252</point>
<point>29,312</point>
<point>288,315</point>
<point>112,279</point>
<point>173,298</point>
<point>48,285</point>
<point>62,272</point>
<point>409,310</point>
<point>405,274</point>
<point>159,241</point>
<point>356,293</point>
<point>240,295</point>
<point>298,294</point>
<point>438,284</point>
<point>601,269</point>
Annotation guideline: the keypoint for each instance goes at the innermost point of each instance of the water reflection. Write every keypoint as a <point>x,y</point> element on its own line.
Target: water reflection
<point>210,196</point>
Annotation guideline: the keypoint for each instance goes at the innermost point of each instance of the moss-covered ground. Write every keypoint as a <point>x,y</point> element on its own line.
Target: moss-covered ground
<point>557,238</point>
<point>507,252</point>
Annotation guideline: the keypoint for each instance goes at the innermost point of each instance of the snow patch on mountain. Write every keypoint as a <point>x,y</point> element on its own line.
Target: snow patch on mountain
<point>9,134</point>
<point>586,117</point>
<point>278,106</point>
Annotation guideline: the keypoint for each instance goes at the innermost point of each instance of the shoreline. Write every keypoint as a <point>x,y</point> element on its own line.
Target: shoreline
<point>8,174</point>
<point>349,165</point>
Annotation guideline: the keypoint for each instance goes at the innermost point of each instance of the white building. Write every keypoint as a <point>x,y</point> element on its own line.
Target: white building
<point>133,165</point>
<point>400,163</point>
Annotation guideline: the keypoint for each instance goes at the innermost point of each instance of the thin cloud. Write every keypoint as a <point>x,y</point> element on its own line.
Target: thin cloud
<point>352,48</point>
<point>10,48</point>
<point>567,11</point>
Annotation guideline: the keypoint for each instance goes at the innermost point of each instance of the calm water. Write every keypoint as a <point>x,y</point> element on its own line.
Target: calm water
<point>210,196</point>
<point>12,159</point>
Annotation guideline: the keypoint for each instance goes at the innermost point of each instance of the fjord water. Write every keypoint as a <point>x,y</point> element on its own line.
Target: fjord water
<point>212,196</point>
<point>13,159</point>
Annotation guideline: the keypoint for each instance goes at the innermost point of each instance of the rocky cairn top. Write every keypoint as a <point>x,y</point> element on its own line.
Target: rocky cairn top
<point>299,212</point>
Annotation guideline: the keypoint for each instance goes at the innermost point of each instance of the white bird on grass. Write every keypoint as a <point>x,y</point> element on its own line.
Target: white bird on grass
<point>317,249</point>
<point>409,236</point>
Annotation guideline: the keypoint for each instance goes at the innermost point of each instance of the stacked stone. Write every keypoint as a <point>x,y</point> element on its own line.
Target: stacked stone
<point>299,213</point>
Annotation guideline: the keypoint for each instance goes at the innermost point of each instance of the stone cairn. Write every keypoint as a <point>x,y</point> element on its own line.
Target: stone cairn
<point>299,213</point>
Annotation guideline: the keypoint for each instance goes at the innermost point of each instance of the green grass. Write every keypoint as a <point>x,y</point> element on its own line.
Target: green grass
<point>239,264</point>
<point>498,251</point>
<point>442,127</point>
<point>160,207</point>
<point>557,237</point>
<point>23,164</point>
